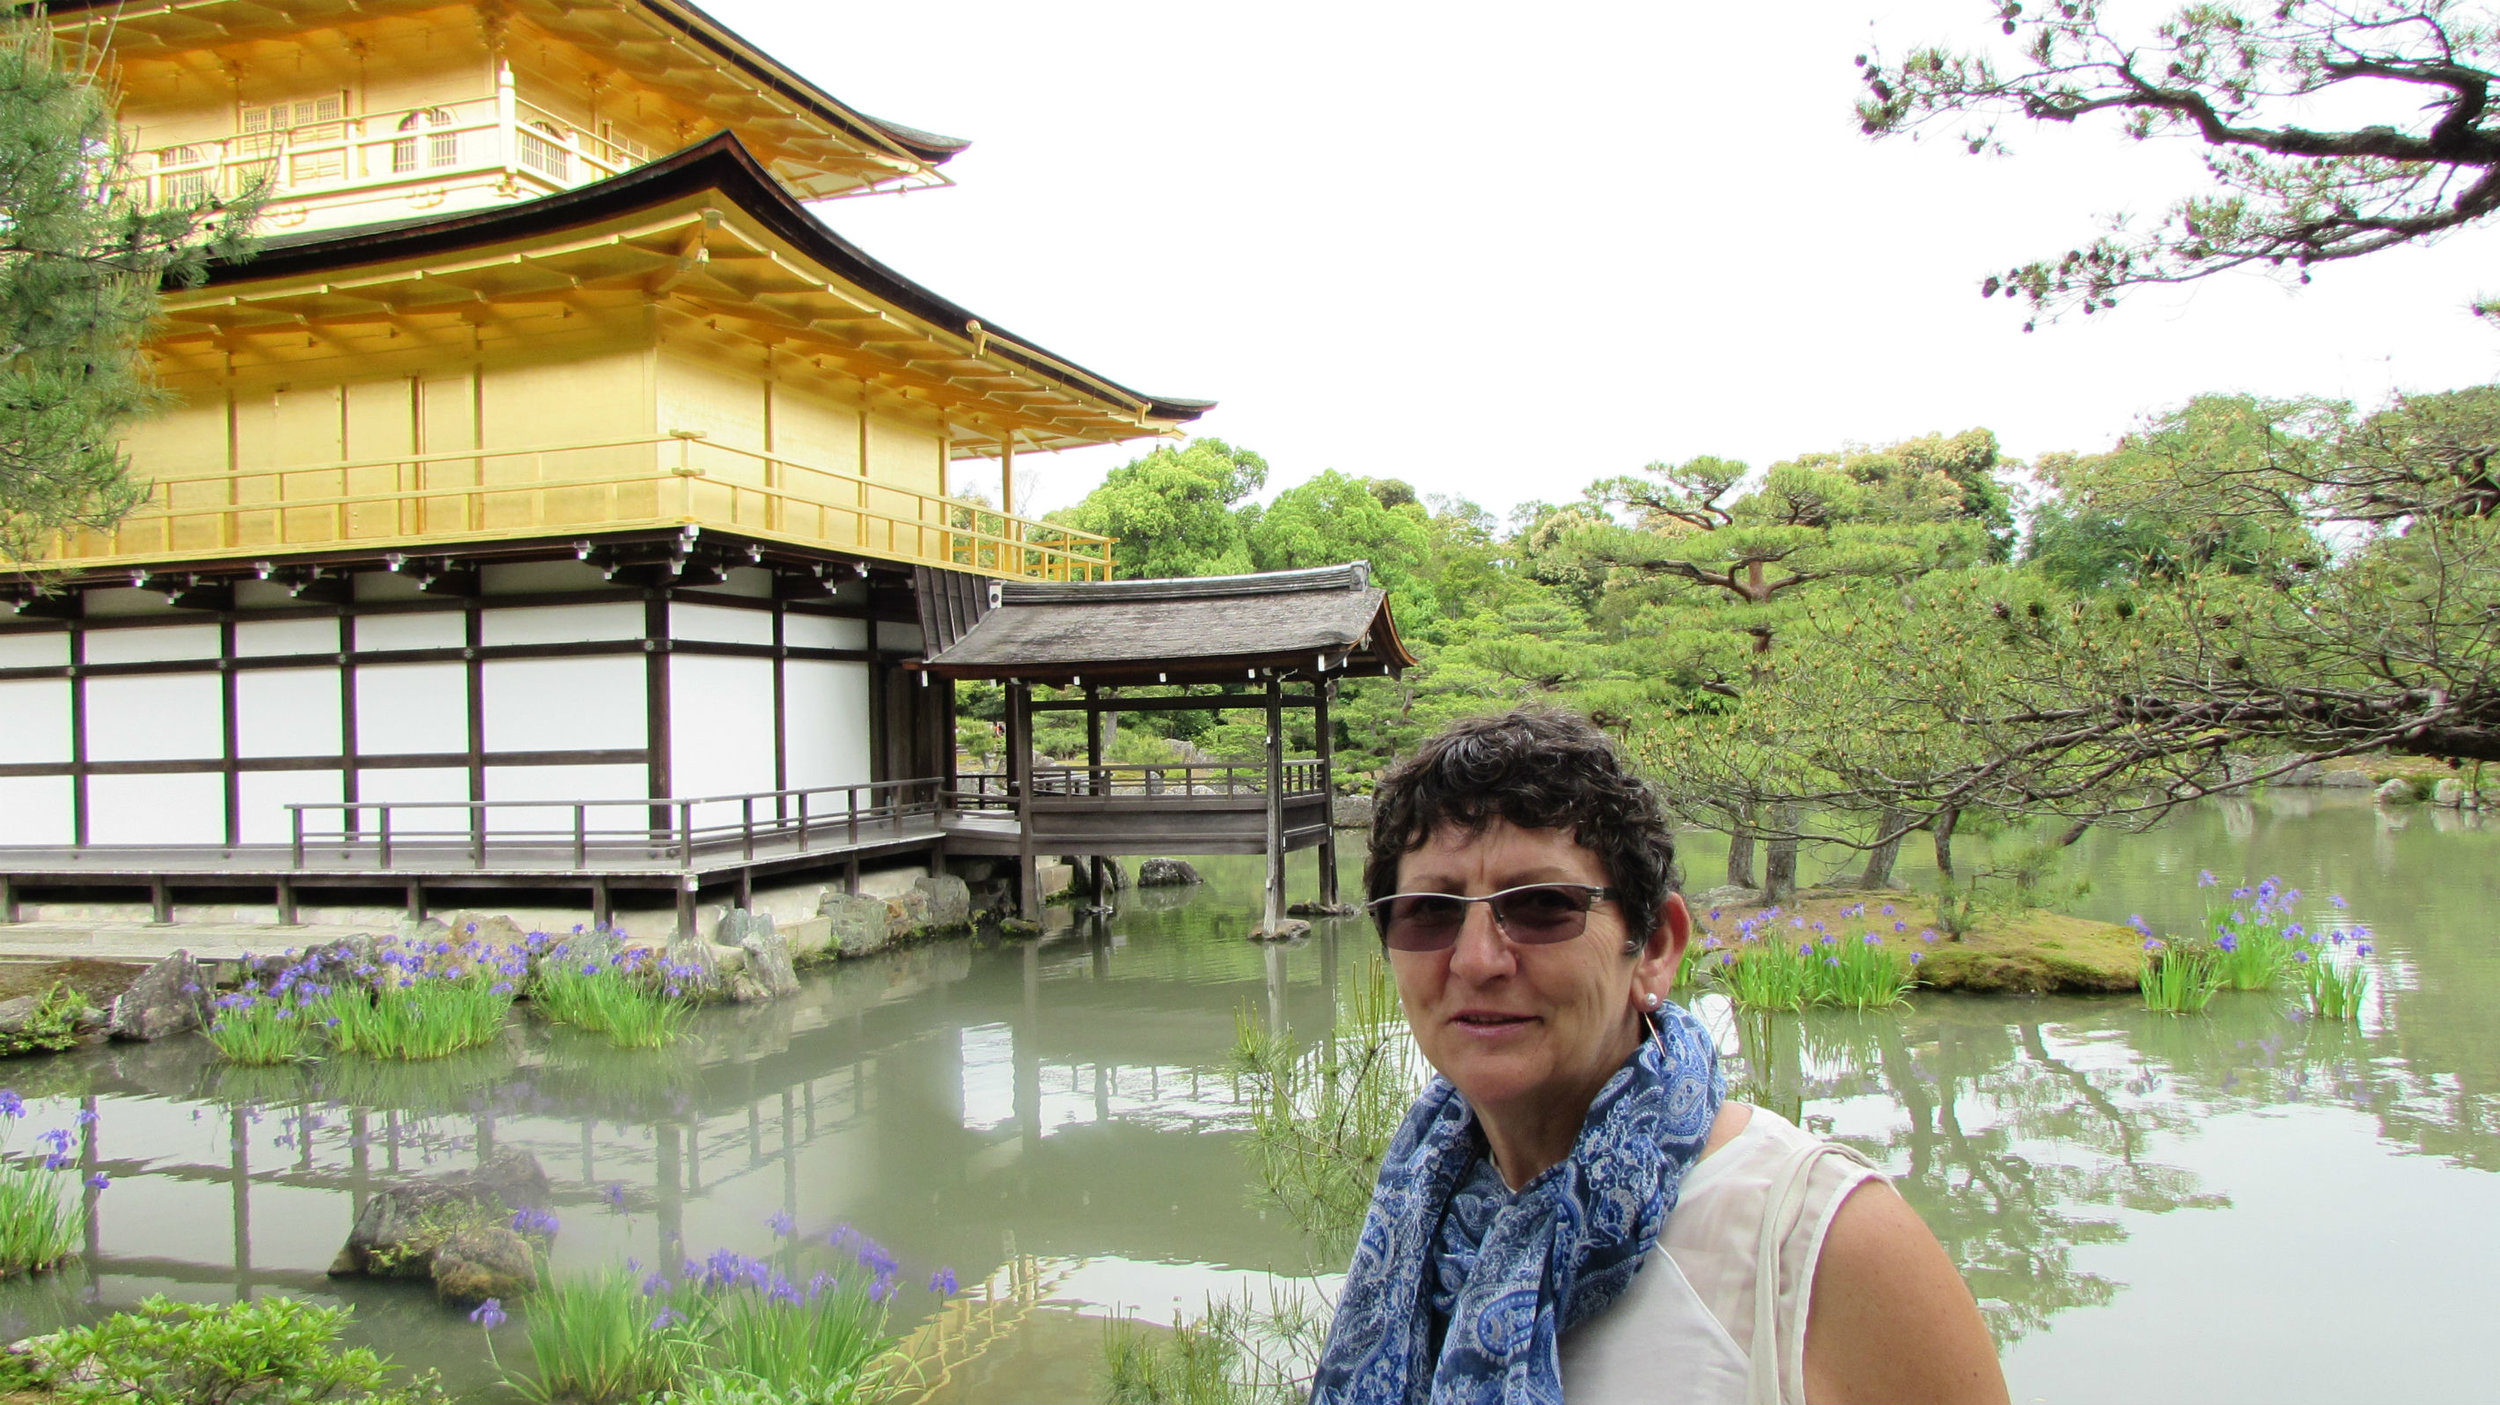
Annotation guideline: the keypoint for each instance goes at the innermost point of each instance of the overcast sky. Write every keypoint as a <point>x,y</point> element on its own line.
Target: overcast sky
<point>1501,251</point>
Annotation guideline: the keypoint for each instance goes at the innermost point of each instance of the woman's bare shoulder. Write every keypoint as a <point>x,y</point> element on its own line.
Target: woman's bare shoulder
<point>1890,1318</point>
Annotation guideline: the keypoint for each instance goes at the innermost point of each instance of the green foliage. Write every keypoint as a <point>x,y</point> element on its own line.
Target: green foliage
<point>1321,1119</point>
<point>42,1218</point>
<point>636,1002</point>
<point>51,1027</point>
<point>2330,990</point>
<point>1235,1353</point>
<point>2249,81</point>
<point>80,264</point>
<point>253,1027</point>
<point>414,1017</point>
<point>2178,977</point>
<point>592,1342</point>
<point>1335,518</point>
<point>270,1351</point>
<point>1172,510</point>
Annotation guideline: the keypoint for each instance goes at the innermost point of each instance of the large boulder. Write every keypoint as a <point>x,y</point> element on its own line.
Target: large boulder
<point>1351,812</point>
<point>489,1261</point>
<point>859,926</point>
<point>496,931</point>
<point>948,900</point>
<point>2450,793</point>
<point>400,1228</point>
<point>1167,873</point>
<point>768,968</point>
<point>906,914</point>
<point>168,998</point>
<point>2395,791</point>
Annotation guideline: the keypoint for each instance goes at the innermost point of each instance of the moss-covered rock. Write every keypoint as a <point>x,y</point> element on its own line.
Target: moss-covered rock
<point>2033,952</point>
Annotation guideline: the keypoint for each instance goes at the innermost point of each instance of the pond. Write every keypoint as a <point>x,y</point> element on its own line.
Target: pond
<point>2144,1204</point>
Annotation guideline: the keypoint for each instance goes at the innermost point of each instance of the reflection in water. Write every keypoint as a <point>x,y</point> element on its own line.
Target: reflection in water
<point>1073,1092</point>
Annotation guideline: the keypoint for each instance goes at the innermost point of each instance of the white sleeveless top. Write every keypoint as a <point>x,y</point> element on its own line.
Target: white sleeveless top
<point>1700,1325</point>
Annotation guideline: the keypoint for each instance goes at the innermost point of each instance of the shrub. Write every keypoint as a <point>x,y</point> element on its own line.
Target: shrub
<point>273,1351</point>
<point>52,1027</point>
<point>42,1217</point>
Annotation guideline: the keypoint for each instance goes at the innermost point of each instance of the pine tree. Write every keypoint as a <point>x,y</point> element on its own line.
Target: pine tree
<point>83,253</point>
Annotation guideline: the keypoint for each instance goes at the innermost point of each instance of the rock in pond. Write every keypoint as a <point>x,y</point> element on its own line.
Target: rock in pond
<point>1284,931</point>
<point>858,923</point>
<point>491,1261</point>
<point>948,900</point>
<point>1167,873</point>
<point>2396,791</point>
<point>168,998</point>
<point>2450,793</point>
<point>402,1226</point>
<point>1317,909</point>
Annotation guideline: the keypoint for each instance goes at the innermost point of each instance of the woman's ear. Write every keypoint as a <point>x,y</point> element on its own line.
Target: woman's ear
<point>1655,970</point>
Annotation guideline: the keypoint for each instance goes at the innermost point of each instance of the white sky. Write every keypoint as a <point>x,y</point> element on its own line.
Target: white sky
<point>1502,251</point>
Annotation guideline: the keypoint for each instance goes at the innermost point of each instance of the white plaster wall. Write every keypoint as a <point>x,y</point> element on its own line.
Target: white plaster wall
<point>153,645</point>
<point>288,712</point>
<point>562,624</point>
<point>34,720</point>
<point>827,706</point>
<point>178,809</point>
<point>47,650</point>
<point>35,810</point>
<point>426,783</point>
<point>566,784</point>
<point>823,632</point>
<point>721,711</point>
<point>263,797</point>
<point>411,707</point>
<point>155,717</point>
<point>719,624</point>
<point>593,704</point>
<point>299,636</point>
<point>431,629</point>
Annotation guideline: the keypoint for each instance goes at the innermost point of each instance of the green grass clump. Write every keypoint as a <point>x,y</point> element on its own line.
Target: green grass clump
<point>1764,973</point>
<point>1864,974</point>
<point>415,1017</point>
<point>636,1001</point>
<point>1776,966</point>
<point>2178,978</point>
<point>732,1328</point>
<point>42,1217</point>
<point>272,1351</point>
<point>2331,991</point>
<point>256,1027</point>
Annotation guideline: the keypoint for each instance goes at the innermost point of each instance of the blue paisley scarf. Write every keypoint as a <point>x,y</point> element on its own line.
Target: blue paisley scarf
<point>1460,1290</point>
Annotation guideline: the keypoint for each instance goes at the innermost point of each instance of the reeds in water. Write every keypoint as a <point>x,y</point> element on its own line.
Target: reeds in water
<point>1774,966</point>
<point>2177,979</point>
<point>42,1217</point>
<point>2332,990</point>
<point>636,1000</point>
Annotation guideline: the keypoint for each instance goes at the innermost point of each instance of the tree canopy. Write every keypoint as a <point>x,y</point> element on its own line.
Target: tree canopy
<point>81,260</point>
<point>2418,157</point>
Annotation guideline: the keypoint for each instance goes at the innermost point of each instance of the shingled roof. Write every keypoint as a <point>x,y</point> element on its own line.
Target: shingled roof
<point>1214,629</point>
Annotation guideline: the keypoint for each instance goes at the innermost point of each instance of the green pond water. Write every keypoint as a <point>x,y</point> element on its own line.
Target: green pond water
<point>2242,1205</point>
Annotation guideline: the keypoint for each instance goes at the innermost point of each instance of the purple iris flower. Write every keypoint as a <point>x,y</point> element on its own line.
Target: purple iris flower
<point>490,1314</point>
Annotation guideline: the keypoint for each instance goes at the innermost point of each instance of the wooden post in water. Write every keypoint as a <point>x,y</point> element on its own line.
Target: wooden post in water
<point>1020,787</point>
<point>1095,784</point>
<point>1322,689</point>
<point>1275,910</point>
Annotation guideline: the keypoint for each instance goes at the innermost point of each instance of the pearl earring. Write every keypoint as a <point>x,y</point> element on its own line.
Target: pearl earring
<point>1650,1001</point>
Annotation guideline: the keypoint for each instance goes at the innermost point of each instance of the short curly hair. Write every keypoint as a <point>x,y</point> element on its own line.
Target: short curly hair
<point>1538,769</point>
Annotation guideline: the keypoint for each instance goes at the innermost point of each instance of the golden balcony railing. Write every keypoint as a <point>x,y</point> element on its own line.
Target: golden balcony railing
<point>427,502</point>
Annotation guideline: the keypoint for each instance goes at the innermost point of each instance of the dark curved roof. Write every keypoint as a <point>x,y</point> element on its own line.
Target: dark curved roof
<point>1211,629</point>
<point>720,163</point>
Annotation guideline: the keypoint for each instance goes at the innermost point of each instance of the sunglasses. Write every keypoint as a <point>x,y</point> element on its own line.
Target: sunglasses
<point>1536,914</point>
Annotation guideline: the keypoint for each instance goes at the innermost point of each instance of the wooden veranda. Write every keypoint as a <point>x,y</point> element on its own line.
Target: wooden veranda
<point>1267,642</point>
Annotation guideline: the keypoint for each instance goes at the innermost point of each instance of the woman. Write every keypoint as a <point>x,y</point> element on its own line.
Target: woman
<point>1573,1204</point>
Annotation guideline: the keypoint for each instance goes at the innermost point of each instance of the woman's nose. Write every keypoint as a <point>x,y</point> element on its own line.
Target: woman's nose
<point>1481,952</point>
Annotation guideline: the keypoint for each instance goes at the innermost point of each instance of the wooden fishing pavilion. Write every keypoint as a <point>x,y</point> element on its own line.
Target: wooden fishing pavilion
<point>1269,642</point>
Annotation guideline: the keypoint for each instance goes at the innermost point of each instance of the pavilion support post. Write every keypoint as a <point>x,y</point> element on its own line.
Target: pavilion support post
<point>287,916</point>
<point>1274,919</point>
<point>8,899</point>
<point>1098,873</point>
<point>1020,789</point>
<point>1321,693</point>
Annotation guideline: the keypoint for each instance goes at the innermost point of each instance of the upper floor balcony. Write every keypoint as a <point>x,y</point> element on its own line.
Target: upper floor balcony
<point>426,502</point>
<point>326,167</point>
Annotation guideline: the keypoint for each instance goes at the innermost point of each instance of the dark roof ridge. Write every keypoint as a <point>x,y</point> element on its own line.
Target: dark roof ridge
<point>720,162</point>
<point>1354,575</point>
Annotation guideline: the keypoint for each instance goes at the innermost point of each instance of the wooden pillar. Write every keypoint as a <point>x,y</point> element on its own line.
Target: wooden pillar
<point>1020,788</point>
<point>1007,477</point>
<point>1275,910</point>
<point>1322,689</point>
<point>1095,784</point>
